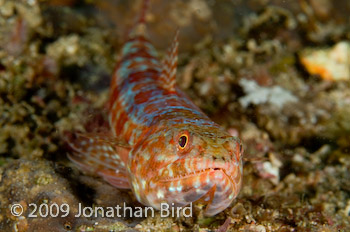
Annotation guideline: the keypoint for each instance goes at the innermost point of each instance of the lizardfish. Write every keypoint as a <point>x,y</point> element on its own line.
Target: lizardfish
<point>159,143</point>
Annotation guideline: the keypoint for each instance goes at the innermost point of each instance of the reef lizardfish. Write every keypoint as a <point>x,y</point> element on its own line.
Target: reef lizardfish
<point>159,143</point>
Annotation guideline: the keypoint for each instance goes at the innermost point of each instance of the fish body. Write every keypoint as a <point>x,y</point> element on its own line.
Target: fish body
<point>159,143</point>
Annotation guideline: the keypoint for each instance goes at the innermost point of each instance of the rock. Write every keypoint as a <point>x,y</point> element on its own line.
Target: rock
<point>329,63</point>
<point>259,95</point>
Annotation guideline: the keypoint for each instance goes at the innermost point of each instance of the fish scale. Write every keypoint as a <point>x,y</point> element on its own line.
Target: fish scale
<point>159,143</point>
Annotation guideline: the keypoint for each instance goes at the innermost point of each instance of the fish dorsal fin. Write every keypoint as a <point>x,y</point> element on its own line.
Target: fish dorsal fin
<point>168,76</point>
<point>139,28</point>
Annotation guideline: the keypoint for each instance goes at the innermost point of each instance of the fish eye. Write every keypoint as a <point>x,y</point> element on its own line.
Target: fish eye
<point>183,140</point>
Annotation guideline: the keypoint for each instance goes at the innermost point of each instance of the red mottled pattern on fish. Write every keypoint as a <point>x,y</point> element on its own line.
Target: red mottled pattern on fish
<point>159,143</point>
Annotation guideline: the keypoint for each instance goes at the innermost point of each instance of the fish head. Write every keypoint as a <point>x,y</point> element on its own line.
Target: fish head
<point>190,163</point>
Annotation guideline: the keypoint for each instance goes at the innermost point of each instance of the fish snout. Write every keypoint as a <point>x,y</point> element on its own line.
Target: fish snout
<point>214,183</point>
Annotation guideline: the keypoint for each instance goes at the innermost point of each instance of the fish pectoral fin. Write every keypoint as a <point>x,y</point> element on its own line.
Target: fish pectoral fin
<point>100,154</point>
<point>115,178</point>
<point>167,78</point>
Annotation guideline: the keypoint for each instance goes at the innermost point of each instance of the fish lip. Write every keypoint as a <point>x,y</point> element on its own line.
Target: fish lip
<point>212,166</point>
<point>195,173</point>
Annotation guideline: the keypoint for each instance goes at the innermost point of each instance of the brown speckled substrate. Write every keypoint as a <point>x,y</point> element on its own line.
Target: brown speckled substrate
<point>239,62</point>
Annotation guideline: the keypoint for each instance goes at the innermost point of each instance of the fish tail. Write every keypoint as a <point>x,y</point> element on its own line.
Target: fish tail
<point>139,28</point>
<point>137,57</point>
<point>145,6</point>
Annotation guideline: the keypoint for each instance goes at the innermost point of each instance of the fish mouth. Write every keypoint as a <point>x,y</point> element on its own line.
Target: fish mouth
<point>216,187</point>
<point>179,169</point>
<point>192,174</point>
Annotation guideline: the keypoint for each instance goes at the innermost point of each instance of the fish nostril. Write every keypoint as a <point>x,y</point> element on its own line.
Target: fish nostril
<point>215,169</point>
